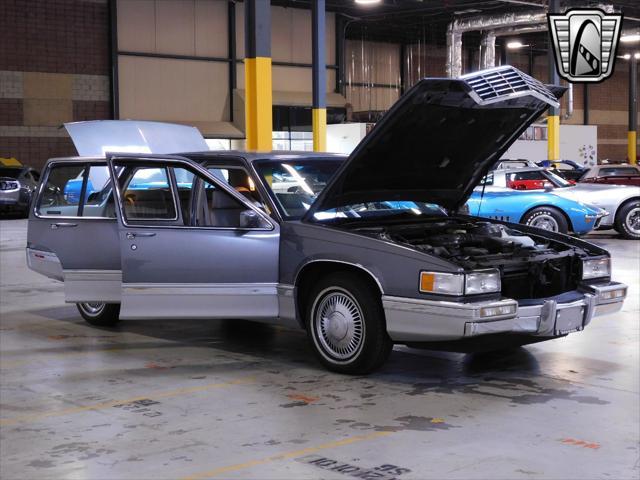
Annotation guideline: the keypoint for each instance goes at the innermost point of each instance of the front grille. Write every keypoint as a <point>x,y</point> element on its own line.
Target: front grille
<point>501,83</point>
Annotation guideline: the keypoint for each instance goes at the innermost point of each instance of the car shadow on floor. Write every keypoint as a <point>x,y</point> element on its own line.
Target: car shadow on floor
<point>279,348</point>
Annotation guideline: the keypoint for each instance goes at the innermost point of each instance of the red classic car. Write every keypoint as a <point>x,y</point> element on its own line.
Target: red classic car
<point>623,174</point>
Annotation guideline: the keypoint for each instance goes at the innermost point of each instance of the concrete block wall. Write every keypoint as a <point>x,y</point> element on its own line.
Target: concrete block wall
<point>54,68</point>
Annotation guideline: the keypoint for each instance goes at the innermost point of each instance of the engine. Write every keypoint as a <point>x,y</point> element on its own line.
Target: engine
<point>531,266</point>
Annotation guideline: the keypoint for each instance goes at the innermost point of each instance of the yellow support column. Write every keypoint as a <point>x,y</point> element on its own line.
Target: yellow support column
<point>257,69</point>
<point>319,120</point>
<point>319,77</point>
<point>632,136</point>
<point>553,137</point>
<point>258,103</point>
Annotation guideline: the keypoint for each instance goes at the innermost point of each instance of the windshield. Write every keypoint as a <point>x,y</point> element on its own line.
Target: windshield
<point>381,209</point>
<point>10,172</point>
<point>295,184</point>
<point>557,180</point>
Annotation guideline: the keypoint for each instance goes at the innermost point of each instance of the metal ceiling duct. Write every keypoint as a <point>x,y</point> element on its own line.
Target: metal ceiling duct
<point>484,22</point>
<point>493,25</point>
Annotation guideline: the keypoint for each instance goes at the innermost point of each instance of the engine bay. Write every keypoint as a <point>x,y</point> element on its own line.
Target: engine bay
<point>531,266</point>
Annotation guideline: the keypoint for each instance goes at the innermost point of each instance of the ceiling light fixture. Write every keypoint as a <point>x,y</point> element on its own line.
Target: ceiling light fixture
<point>630,38</point>
<point>367,2</point>
<point>626,56</point>
<point>515,45</point>
<point>636,55</point>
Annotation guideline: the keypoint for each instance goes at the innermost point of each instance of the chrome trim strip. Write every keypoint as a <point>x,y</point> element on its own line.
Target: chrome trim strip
<point>469,311</point>
<point>93,286</point>
<point>199,288</point>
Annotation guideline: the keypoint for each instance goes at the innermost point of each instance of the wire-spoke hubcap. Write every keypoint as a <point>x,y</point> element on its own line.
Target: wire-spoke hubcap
<point>92,308</point>
<point>545,222</point>
<point>339,324</point>
<point>633,220</point>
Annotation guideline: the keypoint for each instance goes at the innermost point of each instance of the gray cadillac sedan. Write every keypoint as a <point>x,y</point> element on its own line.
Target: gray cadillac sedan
<point>362,252</point>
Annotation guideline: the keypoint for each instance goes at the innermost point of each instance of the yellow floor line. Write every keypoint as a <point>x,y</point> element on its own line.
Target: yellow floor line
<point>100,406</point>
<point>282,456</point>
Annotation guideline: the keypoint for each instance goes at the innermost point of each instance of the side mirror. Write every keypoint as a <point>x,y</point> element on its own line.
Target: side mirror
<point>548,186</point>
<point>250,219</point>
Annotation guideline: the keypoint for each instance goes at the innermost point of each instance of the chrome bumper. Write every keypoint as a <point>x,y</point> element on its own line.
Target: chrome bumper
<point>414,320</point>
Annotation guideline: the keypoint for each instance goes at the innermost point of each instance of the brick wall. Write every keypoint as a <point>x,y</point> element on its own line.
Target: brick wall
<point>54,68</point>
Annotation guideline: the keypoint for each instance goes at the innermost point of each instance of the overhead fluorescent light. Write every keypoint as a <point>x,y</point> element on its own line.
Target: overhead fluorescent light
<point>626,56</point>
<point>630,38</point>
<point>468,10</point>
<point>367,2</point>
<point>636,55</point>
<point>515,45</point>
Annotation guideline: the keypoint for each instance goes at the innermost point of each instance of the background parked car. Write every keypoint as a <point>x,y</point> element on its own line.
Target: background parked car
<point>537,209</point>
<point>621,201</point>
<point>567,169</point>
<point>623,174</point>
<point>17,185</point>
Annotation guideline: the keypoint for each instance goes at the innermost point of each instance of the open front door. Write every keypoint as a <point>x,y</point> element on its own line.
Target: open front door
<point>191,247</point>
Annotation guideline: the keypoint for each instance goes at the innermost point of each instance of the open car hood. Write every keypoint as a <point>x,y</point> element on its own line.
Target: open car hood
<point>97,137</point>
<point>437,142</point>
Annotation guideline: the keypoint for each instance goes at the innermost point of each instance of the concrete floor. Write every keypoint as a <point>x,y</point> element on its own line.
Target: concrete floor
<point>187,399</point>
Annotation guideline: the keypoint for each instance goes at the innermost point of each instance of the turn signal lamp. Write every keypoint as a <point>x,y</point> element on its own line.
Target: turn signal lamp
<point>485,281</point>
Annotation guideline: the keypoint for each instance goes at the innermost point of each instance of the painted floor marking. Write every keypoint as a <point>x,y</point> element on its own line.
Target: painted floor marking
<point>282,456</point>
<point>111,403</point>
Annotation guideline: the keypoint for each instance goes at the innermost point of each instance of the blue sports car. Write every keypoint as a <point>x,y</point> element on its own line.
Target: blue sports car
<point>538,209</point>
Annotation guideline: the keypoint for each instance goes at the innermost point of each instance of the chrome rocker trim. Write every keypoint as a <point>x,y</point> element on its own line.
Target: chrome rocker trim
<point>413,320</point>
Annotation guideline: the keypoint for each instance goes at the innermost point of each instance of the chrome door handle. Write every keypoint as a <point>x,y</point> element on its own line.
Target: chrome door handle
<point>55,226</point>
<point>131,235</point>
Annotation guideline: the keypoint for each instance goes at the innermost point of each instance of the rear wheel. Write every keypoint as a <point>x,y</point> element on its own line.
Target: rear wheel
<point>100,314</point>
<point>546,218</point>
<point>346,326</point>
<point>627,222</point>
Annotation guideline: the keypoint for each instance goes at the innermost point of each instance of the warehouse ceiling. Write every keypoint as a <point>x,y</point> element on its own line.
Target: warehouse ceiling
<point>413,21</point>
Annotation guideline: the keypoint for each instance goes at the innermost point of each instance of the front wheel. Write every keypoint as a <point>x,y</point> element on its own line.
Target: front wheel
<point>100,314</point>
<point>627,222</point>
<point>346,326</point>
<point>546,218</point>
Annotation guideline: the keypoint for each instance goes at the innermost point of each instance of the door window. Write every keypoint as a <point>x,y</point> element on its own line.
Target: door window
<point>62,192</point>
<point>98,200</point>
<point>239,179</point>
<point>56,198</point>
<point>147,195</point>
<point>215,207</point>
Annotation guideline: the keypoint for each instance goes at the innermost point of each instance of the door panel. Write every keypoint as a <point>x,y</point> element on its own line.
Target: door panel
<point>189,258</point>
<point>74,239</point>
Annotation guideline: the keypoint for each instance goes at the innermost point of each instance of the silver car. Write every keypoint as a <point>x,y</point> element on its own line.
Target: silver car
<point>621,201</point>
<point>362,253</point>
<point>17,184</point>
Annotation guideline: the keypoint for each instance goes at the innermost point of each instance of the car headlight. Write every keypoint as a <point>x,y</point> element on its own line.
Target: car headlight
<point>596,268</point>
<point>473,283</point>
